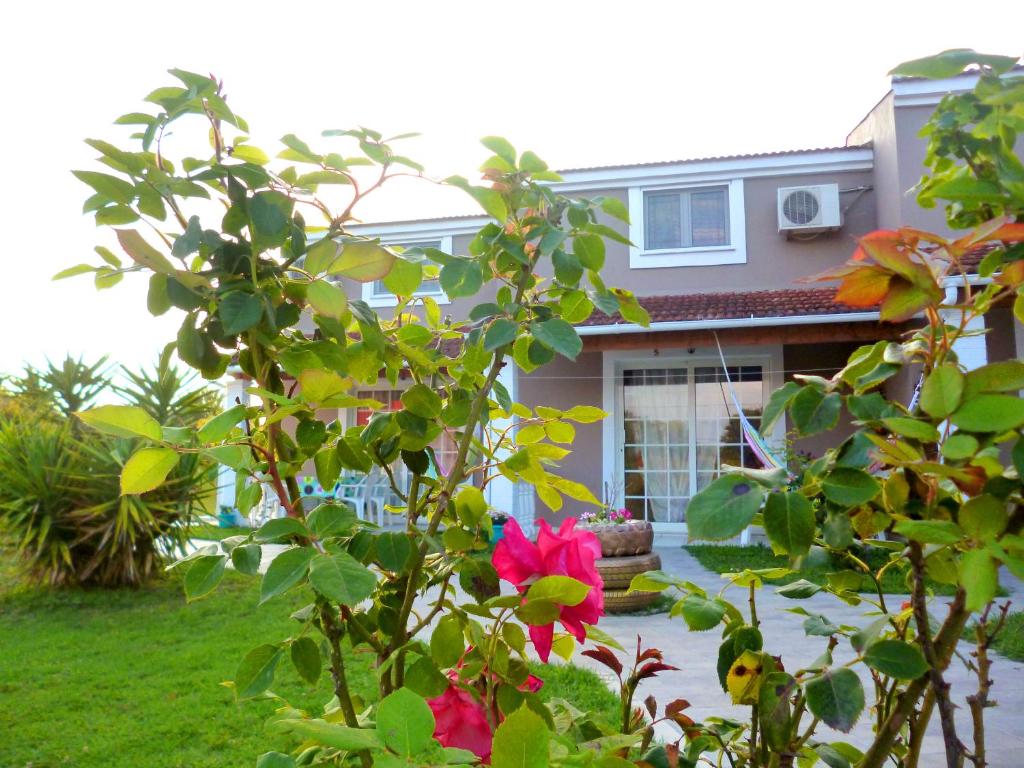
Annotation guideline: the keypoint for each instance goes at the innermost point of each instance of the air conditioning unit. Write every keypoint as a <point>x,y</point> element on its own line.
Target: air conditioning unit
<point>809,209</point>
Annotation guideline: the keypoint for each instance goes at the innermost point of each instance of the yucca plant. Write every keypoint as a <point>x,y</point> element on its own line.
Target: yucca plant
<point>60,495</point>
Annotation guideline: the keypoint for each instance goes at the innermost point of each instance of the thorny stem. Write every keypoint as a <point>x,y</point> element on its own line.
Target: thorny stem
<point>954,749</point>
<point>979,701</point>
<point>334,632</point>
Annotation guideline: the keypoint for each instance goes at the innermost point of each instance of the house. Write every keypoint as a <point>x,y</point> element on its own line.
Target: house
<point>718,247</point>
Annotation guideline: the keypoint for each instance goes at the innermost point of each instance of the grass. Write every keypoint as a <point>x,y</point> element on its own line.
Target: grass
<point>1010,640</point>
<point>131,678</point>
<point>728,558</point>
<point>216,532</point>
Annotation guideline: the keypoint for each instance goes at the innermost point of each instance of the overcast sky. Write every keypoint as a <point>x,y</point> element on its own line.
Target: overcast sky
<point>580,83</point>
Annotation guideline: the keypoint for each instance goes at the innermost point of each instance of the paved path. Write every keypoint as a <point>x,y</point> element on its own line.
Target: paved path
<point>696,655</point>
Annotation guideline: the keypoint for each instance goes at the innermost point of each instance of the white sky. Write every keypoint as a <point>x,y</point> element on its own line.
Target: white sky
<point>580,83</point>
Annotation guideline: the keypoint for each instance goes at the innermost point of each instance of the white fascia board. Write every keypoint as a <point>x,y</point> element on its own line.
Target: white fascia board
<point>827,161</point>
<point>422,230</point>
<point>741,322</point>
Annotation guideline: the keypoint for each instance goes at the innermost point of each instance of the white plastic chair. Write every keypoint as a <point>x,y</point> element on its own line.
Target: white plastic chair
<point>353,494</point>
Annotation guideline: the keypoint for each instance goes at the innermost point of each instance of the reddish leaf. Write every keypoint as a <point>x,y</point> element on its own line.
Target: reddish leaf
<point>652,706</point>
<point>911,236</point>
<point>650,653</point>
<point>864,287</point>
<point>889,251</point>
<point>970,480</point>
<point>605,656</point>
<point>831,275</point>
<point>673,708</point>
<point>652,668</point>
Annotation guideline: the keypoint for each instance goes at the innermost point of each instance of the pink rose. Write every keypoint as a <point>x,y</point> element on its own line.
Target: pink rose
<point>461,722</point>
<point>566,553</point>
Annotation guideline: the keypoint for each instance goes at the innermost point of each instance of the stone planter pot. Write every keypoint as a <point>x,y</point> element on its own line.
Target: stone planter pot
<point>624,539</point>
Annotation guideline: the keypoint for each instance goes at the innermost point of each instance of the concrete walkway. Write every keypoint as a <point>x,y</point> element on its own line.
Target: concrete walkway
<point>696,655</point>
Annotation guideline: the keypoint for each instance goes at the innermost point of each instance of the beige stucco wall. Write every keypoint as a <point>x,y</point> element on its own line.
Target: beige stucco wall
<point>563,384</point>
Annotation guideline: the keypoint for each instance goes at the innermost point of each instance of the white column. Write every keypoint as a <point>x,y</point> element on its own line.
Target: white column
<point>502,493</point>
<point>234,392</point>
<point>970,350</point>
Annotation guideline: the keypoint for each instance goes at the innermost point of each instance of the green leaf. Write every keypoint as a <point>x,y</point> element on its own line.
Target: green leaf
<point>447,643</point>
<point>305,655</point>
<point>470,505</point>
<point>405,723</point>
<point>814,411</point>
<point>700,613</point>
<point>147,469</point>
<point>1004,376</point>
<point>849,487</point>
<point>280,529</point>
<point>930,531</point>
<point>404,278</point>
<point>122,421</point>
<point>501,332</point>
<point>203,576</point>
<point>989,413</point>
<point>78,269</point>
<point>393,549</point>
<point>421,400</point>
<point>239,311</point>
<point>789,523</point>
<point>220,426</point>
<point>321,255</point>
<point>329,734</point>
<point>584,414</point>
<point>724,508</point>
<point>270,217</point>
<point>896,659</point>
<point>837,697</point>
<point>959,446</point>
<point>983,518</point>
<point>364,261</point>
<point>979,577</point>
<point>488,199</point>
<point>521,741</point>
<point>275,760</point>
<point>615,207</point>
<point>111,187</point>
<point>951,63</point>
<point>500,146</point>
<point>589,249</point>
<point>561,590</point>
<point>256,672</point>
<point>246,558</point>
<point>777,404</point>
<point>558,335</point>
<point>341,578</point>
<point>460,278</point>
<point>941,391</point>
<point>327,299</point>
<point>915,429</point>
<point>142,252</point>
<point>285,571</point>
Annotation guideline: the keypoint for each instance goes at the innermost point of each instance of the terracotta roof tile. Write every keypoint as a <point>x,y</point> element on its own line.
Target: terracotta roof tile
<point>734,306</point>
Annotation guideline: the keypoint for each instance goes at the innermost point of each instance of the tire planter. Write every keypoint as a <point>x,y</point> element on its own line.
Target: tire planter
<point>624,539</point>
<point>626,552</point>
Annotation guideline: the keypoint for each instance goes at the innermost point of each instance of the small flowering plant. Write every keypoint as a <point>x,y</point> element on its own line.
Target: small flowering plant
<point>607,516</point>
<point>498,516</point>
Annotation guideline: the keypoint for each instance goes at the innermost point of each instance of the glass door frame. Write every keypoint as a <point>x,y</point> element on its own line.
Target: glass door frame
<point>769,357</point>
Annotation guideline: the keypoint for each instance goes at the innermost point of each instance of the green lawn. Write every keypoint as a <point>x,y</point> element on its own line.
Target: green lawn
<point>131,679</point>
<point>216,532</point>
<point>1010,640</point>
<point>728,558</point>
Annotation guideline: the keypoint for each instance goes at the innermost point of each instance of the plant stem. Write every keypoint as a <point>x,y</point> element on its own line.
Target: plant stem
<point>954,749</point>
<point>333,631</point>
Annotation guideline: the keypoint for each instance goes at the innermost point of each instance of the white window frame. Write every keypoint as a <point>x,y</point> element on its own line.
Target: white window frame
<point>443,242</point>
<point>613,363</point>
<point>641,257</point>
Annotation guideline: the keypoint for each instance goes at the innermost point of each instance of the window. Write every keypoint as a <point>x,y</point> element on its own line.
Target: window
<point>679,426</point>
<point>376,294</point>
<point>687,226</point>
<point>686,219</point>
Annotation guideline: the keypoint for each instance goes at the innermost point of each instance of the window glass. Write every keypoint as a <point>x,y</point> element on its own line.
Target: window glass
<point>693,218</point>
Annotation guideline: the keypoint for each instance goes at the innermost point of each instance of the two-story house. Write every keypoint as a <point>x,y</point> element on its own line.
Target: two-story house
<point>718,247</point>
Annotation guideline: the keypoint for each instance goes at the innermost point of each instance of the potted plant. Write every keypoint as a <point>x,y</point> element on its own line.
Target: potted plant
<point>498,520</point>
<point>626,545</point>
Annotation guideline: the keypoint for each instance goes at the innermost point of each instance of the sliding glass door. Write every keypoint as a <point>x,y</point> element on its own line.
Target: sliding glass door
<point>678,427</point>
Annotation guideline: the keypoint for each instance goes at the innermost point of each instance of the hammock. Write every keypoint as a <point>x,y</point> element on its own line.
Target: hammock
<point>757,444</point>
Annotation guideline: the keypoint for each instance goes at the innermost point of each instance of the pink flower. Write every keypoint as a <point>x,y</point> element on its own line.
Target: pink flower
<point>567,552</point>
<point>461,721</point>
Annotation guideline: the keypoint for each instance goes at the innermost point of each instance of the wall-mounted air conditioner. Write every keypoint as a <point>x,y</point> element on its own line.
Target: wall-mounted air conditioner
<point>809,209</point>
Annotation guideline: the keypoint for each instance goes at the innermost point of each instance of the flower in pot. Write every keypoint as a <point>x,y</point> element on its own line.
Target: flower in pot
<point>498,520</point>
<point>620,535</point>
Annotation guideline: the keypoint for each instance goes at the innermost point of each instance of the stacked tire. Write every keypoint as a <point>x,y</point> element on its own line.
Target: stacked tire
<point>625,552</point>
